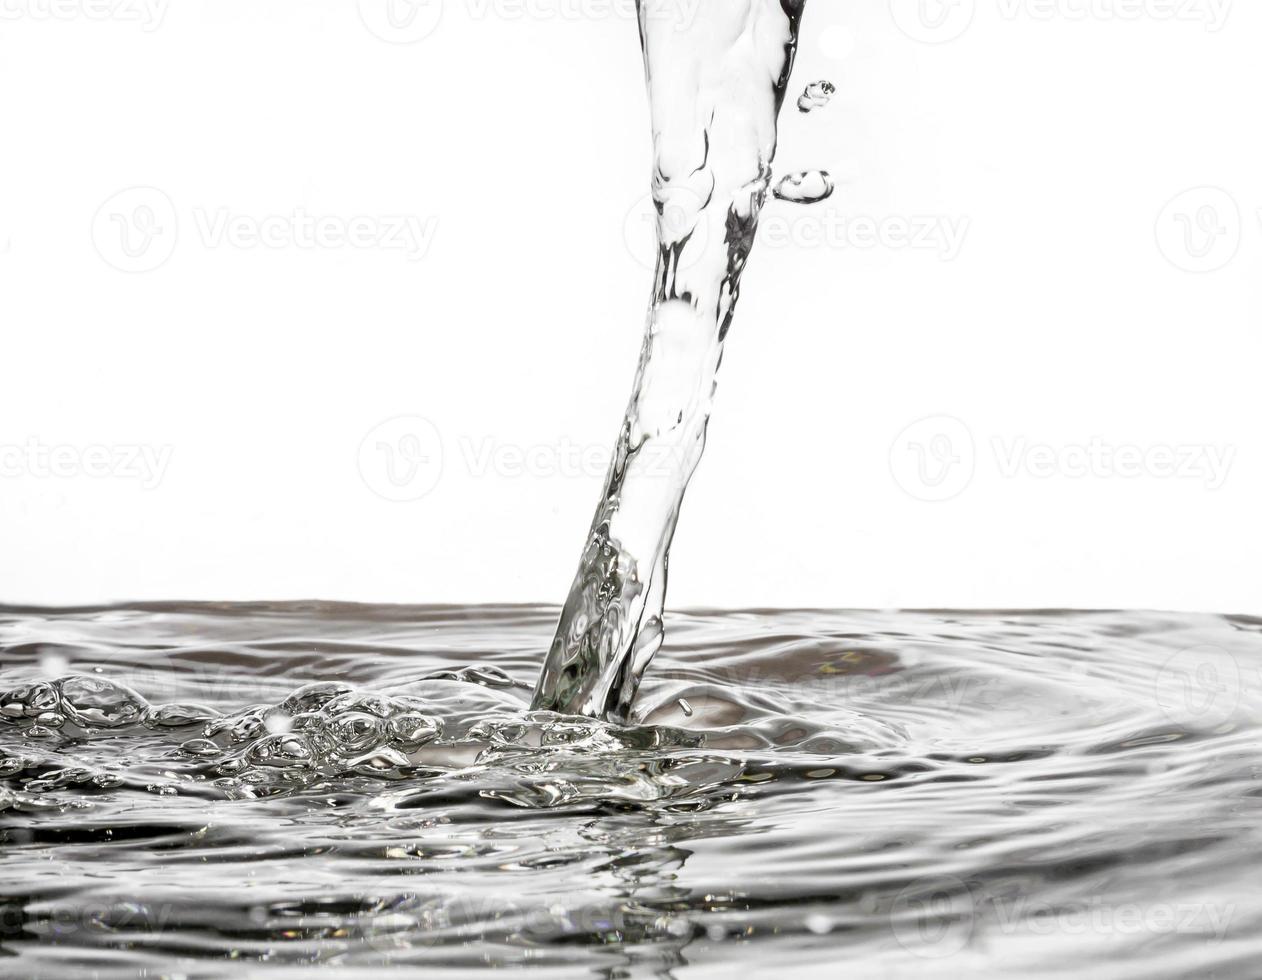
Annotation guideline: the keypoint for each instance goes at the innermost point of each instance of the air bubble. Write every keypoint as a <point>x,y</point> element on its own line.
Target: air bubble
<point>178,715</point>
<point>201,748</point>
<point>100,703</point>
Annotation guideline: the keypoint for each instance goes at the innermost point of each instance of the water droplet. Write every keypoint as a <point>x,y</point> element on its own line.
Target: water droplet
<point>39,731</point>
<point>806,187</point>
<point>685,707</point>
<point>107,780</point>
<point>816,96</point>
<point>160,790</point>
<point>51,719</point>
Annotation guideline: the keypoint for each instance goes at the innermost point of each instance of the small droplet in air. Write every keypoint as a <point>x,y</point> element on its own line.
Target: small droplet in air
<point>685,707</point>
<point>806,187</point>
<point>816,96</point>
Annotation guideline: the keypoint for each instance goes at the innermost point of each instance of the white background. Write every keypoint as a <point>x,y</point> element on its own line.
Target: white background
<point>1063,136</point>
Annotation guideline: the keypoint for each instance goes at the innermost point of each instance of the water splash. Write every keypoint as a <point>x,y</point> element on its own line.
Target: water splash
<point>816,96</point>
<point>805,187</point>
<point>968,790</point>
<point>716,83</point>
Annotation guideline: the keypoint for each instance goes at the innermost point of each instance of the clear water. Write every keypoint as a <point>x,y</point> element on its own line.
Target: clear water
<point>816,95</point>
<point>717,75</point>
<point>849,793</point>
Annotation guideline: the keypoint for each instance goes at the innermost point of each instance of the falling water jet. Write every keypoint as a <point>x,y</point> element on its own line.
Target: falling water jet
<point>716,83</point>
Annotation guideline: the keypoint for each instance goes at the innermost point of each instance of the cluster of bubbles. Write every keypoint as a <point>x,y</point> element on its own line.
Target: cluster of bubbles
<point>322,731</point>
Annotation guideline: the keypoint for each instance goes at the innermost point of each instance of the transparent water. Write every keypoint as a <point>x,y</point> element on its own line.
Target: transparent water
<point>717,76</point>
<point>848,793</point>
<point>263,790</point>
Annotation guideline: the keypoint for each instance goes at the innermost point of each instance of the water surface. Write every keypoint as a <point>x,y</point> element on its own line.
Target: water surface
<point>831,793</point>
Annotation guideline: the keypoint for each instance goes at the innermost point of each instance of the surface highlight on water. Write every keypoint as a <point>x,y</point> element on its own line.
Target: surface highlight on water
<point>257,790</point>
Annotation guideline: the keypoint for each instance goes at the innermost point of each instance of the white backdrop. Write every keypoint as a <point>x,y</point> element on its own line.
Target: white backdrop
<point>326,299</point>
